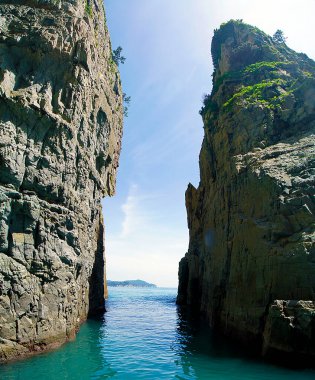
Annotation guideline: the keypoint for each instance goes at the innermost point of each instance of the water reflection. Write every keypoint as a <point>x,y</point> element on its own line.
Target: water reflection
<point>80,359</point>
<point>144,336</point>
<point>104,368</point>
<point>206,355</point>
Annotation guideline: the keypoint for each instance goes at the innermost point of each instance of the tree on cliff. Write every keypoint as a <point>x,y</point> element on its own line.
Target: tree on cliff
<point>126,100</point>
<point>279,37</point>
<point>117,57</point>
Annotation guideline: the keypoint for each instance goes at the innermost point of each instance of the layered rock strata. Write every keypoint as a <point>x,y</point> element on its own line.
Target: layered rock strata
<point>250,266</point>
<point>60,136</point>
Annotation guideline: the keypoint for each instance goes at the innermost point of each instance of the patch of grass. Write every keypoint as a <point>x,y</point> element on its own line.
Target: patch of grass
<point>112,65</point>
<point>257,93</point>
<point>251,69</point>
<point>307,74</point>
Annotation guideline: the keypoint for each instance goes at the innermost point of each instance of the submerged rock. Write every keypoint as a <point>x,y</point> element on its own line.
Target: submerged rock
<point>250,267</point>
<point>60,136</point>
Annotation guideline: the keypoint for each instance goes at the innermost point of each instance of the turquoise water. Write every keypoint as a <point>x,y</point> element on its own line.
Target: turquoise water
<point>144,336</point>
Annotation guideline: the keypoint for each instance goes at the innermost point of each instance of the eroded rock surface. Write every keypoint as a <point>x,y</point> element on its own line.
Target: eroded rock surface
<point>250,267</point>
<point>60,136</point>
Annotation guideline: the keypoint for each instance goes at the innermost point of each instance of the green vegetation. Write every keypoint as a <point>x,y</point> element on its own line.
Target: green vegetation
<point>307,74</point>
<point>208,105</point>
<point>263,70</point>
<point>270,92</point>
<point>228,76</point>
<point>126,100</point>
<point>266,65</point>
<point>227,30</point>
<point>219,37</point>
<point>113,62</point>
<point>117,57</point>
<point>88,8</point>
<point>258,93</point>
<point>251,93</point>
<point>112,65</point>
<point>279,37</point>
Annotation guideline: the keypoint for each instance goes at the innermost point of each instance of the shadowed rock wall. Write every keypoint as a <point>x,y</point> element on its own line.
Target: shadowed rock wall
<point>250,267</point>
<point>60,136</point>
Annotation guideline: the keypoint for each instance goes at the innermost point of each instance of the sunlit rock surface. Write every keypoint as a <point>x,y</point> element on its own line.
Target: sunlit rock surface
<point>60,136</point>
<point>250,267</point>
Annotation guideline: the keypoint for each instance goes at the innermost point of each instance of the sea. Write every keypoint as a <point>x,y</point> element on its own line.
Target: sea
<point>144,335</point>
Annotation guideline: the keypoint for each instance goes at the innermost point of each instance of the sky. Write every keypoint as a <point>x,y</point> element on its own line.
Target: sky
<point>167,71</point>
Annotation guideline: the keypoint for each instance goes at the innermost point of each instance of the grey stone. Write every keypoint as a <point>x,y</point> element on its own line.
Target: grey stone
<point>60,137</point>
<point>251,220</point>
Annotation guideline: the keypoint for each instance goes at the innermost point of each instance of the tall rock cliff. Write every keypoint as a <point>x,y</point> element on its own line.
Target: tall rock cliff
<point>250,267</point>
<point>60,136</point>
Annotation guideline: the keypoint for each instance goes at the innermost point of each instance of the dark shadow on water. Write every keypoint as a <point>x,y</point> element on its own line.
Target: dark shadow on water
<point>200,337</point>
<point>196,338</point>
<point>204,338</point>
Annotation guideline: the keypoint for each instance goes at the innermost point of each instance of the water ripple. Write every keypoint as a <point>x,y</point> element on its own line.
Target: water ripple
<point>145,336</point>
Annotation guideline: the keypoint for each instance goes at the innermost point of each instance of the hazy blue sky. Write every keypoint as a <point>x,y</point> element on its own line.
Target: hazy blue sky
<point>168,69</point>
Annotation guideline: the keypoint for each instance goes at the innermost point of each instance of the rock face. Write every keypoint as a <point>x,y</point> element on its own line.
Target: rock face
<point>60,135</point>
<point>250,267</point>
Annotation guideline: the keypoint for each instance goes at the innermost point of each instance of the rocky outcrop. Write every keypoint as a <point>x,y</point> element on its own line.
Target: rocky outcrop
<point>250,267</point>
<point>60,136</point>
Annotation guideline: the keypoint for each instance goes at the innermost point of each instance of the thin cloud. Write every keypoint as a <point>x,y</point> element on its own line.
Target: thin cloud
<point>152,256</point>
<point>132,220</point>
<point>145,247</point>
<point>140,212</point>
<point>168,68</point>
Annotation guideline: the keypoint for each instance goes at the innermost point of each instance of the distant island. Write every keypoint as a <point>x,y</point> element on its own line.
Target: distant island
<point>131,283</point>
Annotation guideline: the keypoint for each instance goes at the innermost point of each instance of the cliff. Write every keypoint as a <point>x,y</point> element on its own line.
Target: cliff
<point>250,266</point>
<point>60,128</point>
